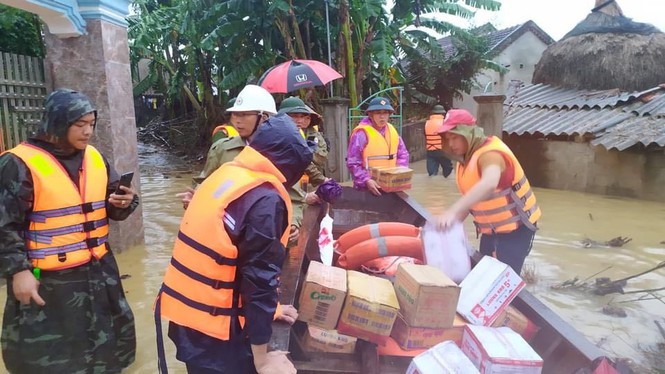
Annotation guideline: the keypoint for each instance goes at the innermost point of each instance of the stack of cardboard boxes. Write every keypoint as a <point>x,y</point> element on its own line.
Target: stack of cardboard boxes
<point>427,301</point>
<point>321,301</point>
<point>421,310</point>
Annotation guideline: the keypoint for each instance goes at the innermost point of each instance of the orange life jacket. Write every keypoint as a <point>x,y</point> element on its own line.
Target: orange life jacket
<point>199,289</point>
<point>226,129</point>
<point>380,151</point>
<point>432,138</point>
<point>67,225</point>
<point>506,209</point>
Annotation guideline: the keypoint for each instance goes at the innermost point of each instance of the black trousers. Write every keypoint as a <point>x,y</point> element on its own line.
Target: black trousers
<point>511,248</point>
<point>435,158</point>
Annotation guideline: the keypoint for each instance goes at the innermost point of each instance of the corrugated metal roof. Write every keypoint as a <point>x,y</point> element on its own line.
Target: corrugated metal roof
<point>616,119</point>
<point>644,130</point>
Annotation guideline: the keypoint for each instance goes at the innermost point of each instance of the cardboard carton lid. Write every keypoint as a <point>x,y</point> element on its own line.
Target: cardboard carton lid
<point>444,357</point>
<point>396,170</point>
<point>327,276</point>
<point>503,342</point>
<point>427,275</point>
<point>373,289</point>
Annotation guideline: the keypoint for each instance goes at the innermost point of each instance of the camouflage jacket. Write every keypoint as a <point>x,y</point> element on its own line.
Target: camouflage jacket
<point>315,170</point>
<point>225,150</point>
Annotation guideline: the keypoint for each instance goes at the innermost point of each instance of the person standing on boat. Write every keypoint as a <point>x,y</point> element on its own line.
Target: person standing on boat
<point>66,310</point>
<point>220,289</point>
<point>308,122</point>
<point>494,190</point>
<point>375,143</point>
<point>435,156</point>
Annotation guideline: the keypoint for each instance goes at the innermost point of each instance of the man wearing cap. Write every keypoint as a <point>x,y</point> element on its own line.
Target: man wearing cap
<point>375,143</point>
<point>308,122</point>
<point>494,190</point>
<point>435,156</point>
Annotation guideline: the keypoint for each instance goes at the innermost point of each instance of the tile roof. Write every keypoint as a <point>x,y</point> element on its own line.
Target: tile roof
<point>500,39</point>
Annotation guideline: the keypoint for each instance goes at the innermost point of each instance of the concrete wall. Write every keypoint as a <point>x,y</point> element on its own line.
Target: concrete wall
<point>521,58</point>
<point>583,167</point>
<point>413,135</point>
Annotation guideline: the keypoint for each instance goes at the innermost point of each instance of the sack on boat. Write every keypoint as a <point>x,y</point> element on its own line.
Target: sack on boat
<point>326,240</point>
<point>447,250</point>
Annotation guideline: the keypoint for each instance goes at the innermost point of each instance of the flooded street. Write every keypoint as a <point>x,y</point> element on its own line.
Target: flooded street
<point>568,218</point>
<point>557,256</point>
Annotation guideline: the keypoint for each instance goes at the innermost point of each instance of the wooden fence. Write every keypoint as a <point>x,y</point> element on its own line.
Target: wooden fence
<point>22,91</point>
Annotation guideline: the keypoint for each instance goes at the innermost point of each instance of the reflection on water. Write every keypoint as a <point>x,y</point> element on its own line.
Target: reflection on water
<point>568,217</point>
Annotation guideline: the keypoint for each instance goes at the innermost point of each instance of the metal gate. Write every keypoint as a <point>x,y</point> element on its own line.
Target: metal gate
<point>22,91</point>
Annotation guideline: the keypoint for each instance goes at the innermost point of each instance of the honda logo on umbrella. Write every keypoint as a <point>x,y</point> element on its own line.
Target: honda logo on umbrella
<point>301,78</point>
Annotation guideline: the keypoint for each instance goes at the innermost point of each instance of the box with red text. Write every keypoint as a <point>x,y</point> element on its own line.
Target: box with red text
<point>487,290</point>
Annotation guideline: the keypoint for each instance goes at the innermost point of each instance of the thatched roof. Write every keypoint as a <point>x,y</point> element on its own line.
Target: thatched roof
<point>605,51</point>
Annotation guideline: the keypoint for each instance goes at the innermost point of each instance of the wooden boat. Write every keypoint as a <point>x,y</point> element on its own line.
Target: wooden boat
<point>562,348</point>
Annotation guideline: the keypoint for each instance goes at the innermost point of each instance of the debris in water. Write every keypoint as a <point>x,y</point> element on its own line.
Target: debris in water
<point>529,274</point>
<point>605,285</point>
<point>619,241</point>
<point>125,276</point>
<point>614,311</point>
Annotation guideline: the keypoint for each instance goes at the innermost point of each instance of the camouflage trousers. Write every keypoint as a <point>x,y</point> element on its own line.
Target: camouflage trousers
<point>85,327</point>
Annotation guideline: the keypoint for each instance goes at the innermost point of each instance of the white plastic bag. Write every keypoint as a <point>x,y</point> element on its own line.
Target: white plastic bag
<point>326,240</point>
<point>447,250</point>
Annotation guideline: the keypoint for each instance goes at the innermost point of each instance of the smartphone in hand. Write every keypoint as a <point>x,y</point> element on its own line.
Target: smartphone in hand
<point>125,180</point>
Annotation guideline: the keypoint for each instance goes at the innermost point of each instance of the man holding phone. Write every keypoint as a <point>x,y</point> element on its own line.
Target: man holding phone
<point>66,309</point>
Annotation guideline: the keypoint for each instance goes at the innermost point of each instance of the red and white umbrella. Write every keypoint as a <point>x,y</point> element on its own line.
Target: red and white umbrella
<point>296,74</point>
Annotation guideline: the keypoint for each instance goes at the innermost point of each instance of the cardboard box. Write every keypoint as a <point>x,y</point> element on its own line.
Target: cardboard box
<point>370,308</point>
<point>393,179</point>
<point>322,295</point>
<point>487,290</point>
<point>374,173</point>
<point>317,339</point>
<point>498,350</point>
<point>444,358</point>
<point>427,297</point>
<point>408,337</point>
<point>513,318</point>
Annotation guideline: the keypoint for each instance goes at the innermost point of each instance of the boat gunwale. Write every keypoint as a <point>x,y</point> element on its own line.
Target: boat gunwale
<point>526,302</point>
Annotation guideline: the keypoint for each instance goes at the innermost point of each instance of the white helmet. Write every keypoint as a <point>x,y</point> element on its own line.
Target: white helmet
<point>254,98</point>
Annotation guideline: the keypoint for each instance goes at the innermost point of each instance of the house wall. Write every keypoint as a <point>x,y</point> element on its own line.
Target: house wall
<point>521,58</point>
<point>583,167</point>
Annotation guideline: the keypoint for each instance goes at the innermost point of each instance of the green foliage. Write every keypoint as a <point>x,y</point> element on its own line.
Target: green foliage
<point>436,75</point>
<point>205,51</point>
<point>20,32</point>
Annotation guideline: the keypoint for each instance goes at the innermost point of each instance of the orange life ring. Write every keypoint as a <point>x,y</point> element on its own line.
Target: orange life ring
<point>367,250</point>
<point>374,230</point>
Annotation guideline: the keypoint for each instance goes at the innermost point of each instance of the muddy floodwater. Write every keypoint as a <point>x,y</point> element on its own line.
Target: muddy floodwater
<point>568,218</point>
